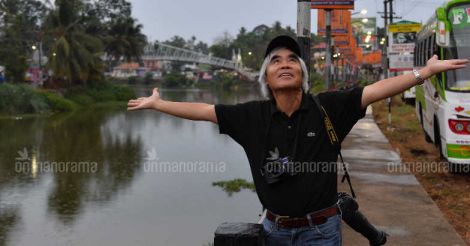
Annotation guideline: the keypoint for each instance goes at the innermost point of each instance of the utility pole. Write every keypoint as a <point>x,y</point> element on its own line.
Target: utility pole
<point>390,99</point>
<point>328,48</point>
<point>385,67</point>
<point>304,30</point>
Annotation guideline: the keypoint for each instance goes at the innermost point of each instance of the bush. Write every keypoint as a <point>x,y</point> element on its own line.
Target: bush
<point>24,99</point>
<point>173,80</point>
<point>317,82</point>
<point>100,92</point>
<point>57,102</point>
<point>148,78</point>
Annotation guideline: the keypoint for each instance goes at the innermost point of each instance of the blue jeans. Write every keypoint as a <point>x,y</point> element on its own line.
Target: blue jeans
<point>326,234</point>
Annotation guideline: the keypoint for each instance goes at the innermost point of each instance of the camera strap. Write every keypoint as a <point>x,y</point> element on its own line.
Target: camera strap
<point>330,130</point>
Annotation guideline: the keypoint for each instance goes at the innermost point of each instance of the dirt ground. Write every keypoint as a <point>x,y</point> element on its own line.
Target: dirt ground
<point>450,191</point>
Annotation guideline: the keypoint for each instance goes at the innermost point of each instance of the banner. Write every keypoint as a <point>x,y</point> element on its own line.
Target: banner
<point>332,4</point>
<point>402,39</point>
<point>340,22</point>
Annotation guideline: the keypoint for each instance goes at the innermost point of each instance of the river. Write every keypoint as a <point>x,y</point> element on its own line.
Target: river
<point>105,176</point>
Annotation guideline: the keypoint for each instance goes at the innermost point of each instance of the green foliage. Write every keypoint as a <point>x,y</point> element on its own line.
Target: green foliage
<point>174,79</point>
<point>133,80</point>
<point>100,92</point>
<point>124,39</point>
<point>226,79</point>
<point>57,103</point>
<point>234,185</point>
<point>74,54</point>
<point>317,83</point>
<point>148,78</point>
<point>23,99</point>
<point>18,32</point>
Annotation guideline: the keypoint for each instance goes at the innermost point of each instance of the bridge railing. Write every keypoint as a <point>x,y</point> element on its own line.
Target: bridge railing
<point>161,51</point>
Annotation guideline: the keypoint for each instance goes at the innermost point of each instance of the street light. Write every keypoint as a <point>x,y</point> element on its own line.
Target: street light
<point>249,53</point>
<point>33,47</point>
<point>362,12</point>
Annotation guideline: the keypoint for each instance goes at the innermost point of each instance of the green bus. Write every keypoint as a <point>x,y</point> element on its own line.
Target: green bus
<point>443,101</point>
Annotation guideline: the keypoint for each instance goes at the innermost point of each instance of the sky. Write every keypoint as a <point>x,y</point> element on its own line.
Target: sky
<point>209,19</point>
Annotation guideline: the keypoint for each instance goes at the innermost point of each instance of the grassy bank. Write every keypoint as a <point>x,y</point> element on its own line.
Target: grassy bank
<point>449,191</point>
<point>22,99</point>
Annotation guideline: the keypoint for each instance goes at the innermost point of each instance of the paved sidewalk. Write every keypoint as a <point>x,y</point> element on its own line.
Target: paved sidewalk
<point>395,202</point>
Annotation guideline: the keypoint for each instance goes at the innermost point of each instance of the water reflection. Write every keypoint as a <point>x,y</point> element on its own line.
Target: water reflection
<point>66,175</point>
<point>85,158</point>
<point>9,217</point>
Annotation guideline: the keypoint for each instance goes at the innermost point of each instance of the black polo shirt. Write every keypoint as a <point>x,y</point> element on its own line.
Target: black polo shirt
<point>265,134</point>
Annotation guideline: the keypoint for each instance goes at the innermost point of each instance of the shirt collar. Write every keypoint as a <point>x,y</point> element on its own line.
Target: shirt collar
<point>303,105</point>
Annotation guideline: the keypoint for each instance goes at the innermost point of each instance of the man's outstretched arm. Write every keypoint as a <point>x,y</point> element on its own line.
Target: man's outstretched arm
<point>186,110</point>
<point>392,86</point>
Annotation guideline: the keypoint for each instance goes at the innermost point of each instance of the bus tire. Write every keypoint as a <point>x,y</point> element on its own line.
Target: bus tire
<point>426,135</point>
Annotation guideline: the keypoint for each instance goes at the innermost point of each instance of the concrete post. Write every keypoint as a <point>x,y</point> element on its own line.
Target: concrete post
<point>328,49</point>
<point>304,30</point>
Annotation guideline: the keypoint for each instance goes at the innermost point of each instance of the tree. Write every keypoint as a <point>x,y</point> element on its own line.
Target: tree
<point>19,30</point>
<point>125,40</point>
<point>176,41</point>
<point>202,47</point>
<point>111,21</point>
<point>74,55</point>
<point>222,46</point>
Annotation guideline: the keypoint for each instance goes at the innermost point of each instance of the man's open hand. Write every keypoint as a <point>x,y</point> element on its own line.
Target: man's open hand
<point>436,66</point>
<point>145,102</point>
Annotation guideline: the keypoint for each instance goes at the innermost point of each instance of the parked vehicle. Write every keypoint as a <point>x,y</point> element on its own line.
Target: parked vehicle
<point>443,101</point>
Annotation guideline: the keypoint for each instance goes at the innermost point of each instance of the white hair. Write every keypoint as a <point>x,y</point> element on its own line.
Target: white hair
<point>265,91</point>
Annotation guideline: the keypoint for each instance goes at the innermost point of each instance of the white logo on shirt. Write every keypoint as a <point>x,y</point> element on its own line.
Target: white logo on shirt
<point>274,155</point>
<point>311,134</point>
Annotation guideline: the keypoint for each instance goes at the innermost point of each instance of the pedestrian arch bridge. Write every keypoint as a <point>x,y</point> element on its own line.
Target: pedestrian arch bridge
<point>165,52</point>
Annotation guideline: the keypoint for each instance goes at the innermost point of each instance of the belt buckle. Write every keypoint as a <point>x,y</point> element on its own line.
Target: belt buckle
<point>316,220</point>
<point>280,217</point>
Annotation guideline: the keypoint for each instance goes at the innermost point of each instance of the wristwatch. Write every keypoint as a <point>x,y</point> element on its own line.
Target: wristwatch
<point>418,77</point>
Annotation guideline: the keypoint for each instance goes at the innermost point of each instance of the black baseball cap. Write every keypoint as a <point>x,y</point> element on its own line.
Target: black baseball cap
<point>283,41</point>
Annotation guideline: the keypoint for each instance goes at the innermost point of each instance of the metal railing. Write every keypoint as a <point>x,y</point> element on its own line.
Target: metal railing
<point>164,52</point>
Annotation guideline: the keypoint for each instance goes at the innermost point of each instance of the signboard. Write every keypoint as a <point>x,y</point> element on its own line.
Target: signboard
<point>399,62</point>
<point>340,21</point>
<point>364,26</point>
<point>332,4</point>
<point>402,39</point>
<point>365,32</point>
<point>404,27</point>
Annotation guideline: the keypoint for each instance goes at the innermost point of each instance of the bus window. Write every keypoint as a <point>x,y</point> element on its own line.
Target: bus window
<point>430,48</point>
<point>459,80</point>
<point>420,54</point>
<point>435,51</point>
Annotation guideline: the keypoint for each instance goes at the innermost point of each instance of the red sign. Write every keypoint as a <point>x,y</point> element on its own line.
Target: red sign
<point>340,22</point>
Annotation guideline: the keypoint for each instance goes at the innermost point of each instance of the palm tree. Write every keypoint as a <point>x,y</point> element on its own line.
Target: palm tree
<point>74,56</point>
<point>125,40</point>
